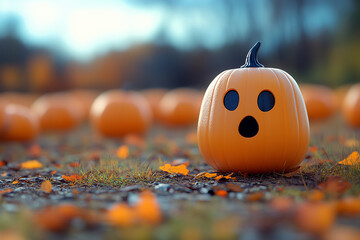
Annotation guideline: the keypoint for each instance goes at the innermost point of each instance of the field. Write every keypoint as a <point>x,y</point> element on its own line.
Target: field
<point>78,185</point>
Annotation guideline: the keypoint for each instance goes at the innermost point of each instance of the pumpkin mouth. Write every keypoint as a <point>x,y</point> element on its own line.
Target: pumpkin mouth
<point>248,127</point>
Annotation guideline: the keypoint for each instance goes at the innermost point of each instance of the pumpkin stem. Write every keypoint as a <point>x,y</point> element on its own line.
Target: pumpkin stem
<point>251,58</point>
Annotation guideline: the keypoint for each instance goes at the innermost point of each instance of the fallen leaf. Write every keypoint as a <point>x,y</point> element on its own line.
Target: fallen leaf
<point>71,178</point>
<point>5,191</point>
<point>122,152</point>
<point>31,164</point>
<point>221,193</point>
<point>315,217</point>
<point>335,185</point>
<point>313,149</point>
<point>210,175</point>
<point>349,206</point>
<point>229,176</point>
<point>53,172</point>
<point>233,187</point>
<point>15,182</point>
<point>46,186</point>
<point>352,159</point>
<point>219,177</point>
<point>147,209</point>
<point>255,197</point>
<point>74,164</point>
<point>282,204</point>
<point>181,169</point>
<point>120,215</point>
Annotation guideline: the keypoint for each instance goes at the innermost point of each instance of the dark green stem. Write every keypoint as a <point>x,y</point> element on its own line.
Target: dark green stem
<point>251,58</point>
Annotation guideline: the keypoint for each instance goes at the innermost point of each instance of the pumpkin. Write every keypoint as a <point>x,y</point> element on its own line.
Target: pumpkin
<point>351,106</point>
<point>320,101</point>
<point>117,113</point>
<point>154,96</point>
<point>180,107</point>
<point>17,123</point>
<point>253,119</point>
<point>57,111</point>
<point>24,99</point>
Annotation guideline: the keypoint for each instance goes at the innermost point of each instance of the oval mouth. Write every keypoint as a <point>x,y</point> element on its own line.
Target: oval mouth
<point>248,127</point>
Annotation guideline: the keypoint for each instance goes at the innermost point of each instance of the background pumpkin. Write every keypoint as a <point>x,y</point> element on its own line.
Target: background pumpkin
<point>117,113</point>
<point>19,123</point>
<point>85,99</point>
<point>243,129</point>
<point>320,101</point>
<point>58,111</point>
<point>180,107</point>
<point>351,106</point>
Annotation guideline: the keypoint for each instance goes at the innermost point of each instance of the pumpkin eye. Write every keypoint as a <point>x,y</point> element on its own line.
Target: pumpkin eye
<point>266,101</point>
<point>231,100</point>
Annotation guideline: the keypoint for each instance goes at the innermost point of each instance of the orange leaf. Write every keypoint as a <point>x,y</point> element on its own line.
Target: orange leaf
<point>74,164</point>
<point>352,159</point>
<point>147,209</point>
<point>71,178</point>
<point>31,164</point>
<point>229,176</point>
<point>349,206</point>
<point>181,169</point>
<point>122,152</point>
<point>8,190</point>
<point>254,197</point>
<point>120,215</point>
<point>53,172</point>
<point>313,149</point>
<point>335,185</point>
<point>221,193</point>
<point>15,182</point>
<point>315,217</point>
<point>46,186</point>
<point>219,177</point>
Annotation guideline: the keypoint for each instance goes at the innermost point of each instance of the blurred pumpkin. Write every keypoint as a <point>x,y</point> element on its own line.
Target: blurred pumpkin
<point>17,123</point>
<point>253,119</point>
<point>320,101</point>
<point>154,96</point>
<point>340,94</point>
<point>117,113</point>
<point>24,99</point>
<point>57,111</point>
<point>351,106</point>
<point>86,99</point>
<point>180,107</point>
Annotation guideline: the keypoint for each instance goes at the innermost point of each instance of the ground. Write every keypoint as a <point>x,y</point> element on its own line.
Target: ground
<point>84,186</point>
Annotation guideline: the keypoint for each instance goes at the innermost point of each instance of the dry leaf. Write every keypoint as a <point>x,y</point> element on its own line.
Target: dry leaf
<point>46,186</point>
<point>352,159</point>
<point>221,193</point>
<point>120,215</point>
<point>147,209</point>
<point>315,217</point>
<point>71,178</point>
<point>31,164</point>
<point>233,187</point>
<point>181,169</point>
<point>15,182</point>
<point>349,206</point>
<point>219,177</point>
<point>123,152</point>
<point>5,191</point>
<point>335,185</point>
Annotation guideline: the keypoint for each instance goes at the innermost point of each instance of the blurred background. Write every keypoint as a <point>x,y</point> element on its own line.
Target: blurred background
<point>49,45</point>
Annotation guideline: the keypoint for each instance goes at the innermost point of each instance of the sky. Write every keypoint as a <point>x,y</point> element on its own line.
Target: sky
<point>85,28</point>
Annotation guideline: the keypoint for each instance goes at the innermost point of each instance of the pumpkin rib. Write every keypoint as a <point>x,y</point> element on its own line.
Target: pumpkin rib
<point>297,111</point>
<point>208,119</point>
<point>283,115</point>
<point>225,116</point>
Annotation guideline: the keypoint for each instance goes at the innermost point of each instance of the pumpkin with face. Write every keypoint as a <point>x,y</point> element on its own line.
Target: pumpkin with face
<point>253,119</point>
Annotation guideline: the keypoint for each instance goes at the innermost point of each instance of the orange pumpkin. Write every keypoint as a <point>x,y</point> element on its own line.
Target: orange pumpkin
<point>351,106</point>
<point>154,96</point>
<point>117,113</point>
<point>57,111</point>
<point>253,119</point>
<point>180,107</point>
<point>17,123</point>
<point>320,101</point>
